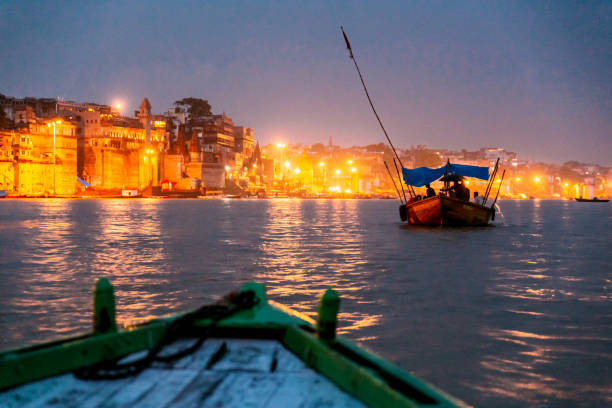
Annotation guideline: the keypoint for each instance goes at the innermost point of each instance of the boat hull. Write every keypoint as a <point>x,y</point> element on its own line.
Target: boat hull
<point>447,211</point>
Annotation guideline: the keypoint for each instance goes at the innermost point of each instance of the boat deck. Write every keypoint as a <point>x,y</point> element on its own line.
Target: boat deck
<point>222,373</point>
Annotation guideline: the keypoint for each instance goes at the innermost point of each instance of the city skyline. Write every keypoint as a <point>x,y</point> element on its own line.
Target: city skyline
<point>534,80</point>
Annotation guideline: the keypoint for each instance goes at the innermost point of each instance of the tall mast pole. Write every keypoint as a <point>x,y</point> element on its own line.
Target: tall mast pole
<point>348,45</point>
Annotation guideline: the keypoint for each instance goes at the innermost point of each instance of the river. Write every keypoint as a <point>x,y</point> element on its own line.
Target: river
<point>515,315</point>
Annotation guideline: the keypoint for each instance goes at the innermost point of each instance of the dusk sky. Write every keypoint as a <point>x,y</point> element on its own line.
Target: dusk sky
<point>532,77</point>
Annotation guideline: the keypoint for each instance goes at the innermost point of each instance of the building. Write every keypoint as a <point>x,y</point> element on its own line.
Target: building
<point>117,155</point>
<point>39,157</point>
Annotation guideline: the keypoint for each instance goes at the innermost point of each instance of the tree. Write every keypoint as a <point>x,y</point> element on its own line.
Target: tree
<point>427,158</point>
<point>196,107</point>
<point>317,148</point>
<point>5,122</point>
<point>380,147</point>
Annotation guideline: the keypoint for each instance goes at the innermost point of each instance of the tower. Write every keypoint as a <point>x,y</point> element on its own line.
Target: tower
<point>145,118</point>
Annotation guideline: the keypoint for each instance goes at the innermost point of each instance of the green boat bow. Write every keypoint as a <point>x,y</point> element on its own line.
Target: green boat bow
<point>361,373</point>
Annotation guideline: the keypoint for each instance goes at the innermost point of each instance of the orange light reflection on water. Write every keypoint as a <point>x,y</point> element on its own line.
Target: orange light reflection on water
<point>134,269</point>
<point>332,257</point>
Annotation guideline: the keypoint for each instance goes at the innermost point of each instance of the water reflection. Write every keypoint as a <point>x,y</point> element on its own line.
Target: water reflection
<point>539,282</point>
<point>129,250</point>
<point>517,315</point>
<point>308,246</point>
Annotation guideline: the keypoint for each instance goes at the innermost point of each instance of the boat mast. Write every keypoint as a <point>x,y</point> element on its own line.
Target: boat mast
<point>348,45</point>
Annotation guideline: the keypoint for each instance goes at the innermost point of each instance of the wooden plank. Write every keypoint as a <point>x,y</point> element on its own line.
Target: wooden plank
<point>173,348</point>
<point>286,361</point>
<point>247,355</point>
<point>71,392</point>
<point>310,390</point>
<point>200,358</point>
<point>169,384</point>
<point>244,390</point>
<point>202,387</point>
<point>32,392</point>
<point>134,390</point>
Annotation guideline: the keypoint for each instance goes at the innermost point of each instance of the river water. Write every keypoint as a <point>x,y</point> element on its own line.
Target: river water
<point>515,315</point>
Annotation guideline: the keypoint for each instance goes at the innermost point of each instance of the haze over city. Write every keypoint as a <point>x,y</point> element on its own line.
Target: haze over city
<point>533,79</point>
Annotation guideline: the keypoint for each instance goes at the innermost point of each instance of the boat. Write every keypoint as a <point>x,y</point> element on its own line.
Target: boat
<point>244,350</point>
<point>444,209</point>
<point>441,210</point>
<point>130,194</point>
<point>592,200</point>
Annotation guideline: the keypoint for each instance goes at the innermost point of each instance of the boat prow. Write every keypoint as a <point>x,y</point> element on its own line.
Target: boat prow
<point>244,351</point>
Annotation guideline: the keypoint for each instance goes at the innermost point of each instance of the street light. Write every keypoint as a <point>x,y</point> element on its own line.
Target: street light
<point>54,161</point>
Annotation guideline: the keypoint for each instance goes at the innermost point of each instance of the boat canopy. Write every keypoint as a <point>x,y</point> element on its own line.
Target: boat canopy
<point>424,175</point>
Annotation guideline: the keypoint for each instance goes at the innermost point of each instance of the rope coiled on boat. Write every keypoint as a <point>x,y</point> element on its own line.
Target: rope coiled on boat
<point>226,307</point>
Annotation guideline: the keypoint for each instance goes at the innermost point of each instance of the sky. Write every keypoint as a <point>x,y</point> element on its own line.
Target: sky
<point>534,77</point>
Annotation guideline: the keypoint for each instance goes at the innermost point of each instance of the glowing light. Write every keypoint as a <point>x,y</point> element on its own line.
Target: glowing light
<point>514,164</point>
<point>350,162</point>
<point>498,181</point>
<point>296,171</point>
<point>517,179</point>
<point>335,189</point>
<point>566,184</point>
<point>321,164</point>
<point>348,191</point>
<point>338,171</point>
<point>280,145</point>
<point>117,106</point>
<point>227,168</point>
<point>353,170</point>
<point>536,179</point>
<point>58,122</point>
<point>287,164</point>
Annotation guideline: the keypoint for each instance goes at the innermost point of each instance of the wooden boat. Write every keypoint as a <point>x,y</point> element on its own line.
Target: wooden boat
<point>592,200</point>
<point>243,351</point>
<point>445,211</point>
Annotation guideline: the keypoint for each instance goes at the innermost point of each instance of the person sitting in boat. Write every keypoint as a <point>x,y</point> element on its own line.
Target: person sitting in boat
<point>477,199</point>
<point>430,191</point>
<point>458,190</point>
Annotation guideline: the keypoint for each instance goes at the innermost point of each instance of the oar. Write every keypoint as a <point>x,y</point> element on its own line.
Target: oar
<point>500,183</point>
<point>490,183</point>
<point>393,181</point>
<point>400,181</point>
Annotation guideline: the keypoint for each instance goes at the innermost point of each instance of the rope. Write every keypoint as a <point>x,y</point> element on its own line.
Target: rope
<point>229,305</point>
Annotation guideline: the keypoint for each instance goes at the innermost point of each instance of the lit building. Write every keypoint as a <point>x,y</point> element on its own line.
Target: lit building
<point>39,157</point>
<point>122,152</point>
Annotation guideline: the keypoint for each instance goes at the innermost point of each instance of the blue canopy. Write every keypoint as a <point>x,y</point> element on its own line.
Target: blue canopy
<point>424,175</point>
<point>83,182</point>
